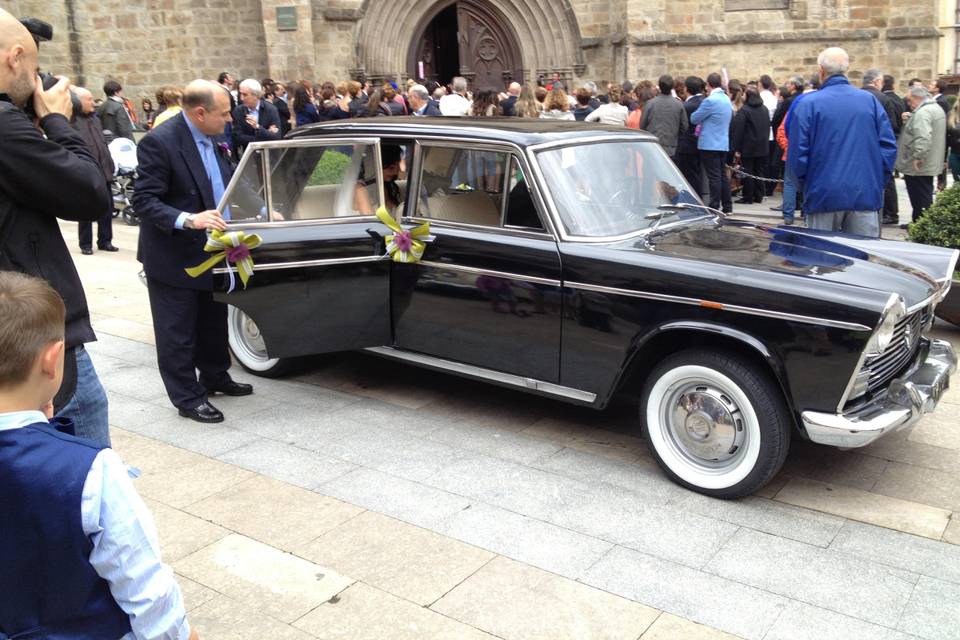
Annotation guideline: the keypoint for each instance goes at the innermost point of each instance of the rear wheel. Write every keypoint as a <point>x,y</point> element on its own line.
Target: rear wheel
<point>248,346</point>
<point>715,422</point>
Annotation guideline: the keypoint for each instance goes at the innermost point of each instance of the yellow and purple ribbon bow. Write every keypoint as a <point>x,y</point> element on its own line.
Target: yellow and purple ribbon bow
<point>404,245</point>
<point>233,247</point>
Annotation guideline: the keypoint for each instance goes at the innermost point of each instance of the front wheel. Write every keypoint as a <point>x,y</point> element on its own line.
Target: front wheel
<point>715,422</point>
<point>248,347</point>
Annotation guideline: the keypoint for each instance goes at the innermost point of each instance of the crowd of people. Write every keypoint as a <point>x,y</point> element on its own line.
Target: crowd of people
<point>727,136</point>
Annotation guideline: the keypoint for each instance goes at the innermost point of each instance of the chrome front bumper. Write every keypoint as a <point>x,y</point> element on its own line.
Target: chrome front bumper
<point>907,399</point>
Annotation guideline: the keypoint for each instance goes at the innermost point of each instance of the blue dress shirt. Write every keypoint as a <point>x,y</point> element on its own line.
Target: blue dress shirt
<point>208,154</point>
<point>126,551</point>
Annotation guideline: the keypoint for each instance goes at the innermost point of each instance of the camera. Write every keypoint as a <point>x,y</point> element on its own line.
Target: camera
<point>41,32</point>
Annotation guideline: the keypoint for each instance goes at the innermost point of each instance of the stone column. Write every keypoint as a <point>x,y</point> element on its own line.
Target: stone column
<point>290,54</point>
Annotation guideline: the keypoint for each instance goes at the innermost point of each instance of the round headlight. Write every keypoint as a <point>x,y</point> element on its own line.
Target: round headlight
<point>881,338</point>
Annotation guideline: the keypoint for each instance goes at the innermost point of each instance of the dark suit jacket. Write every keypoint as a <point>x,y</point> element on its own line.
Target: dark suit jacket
<point>509,106</point>
<point>113,117</point>
<point>687,142</point>
<point>244,134</point>
<point>171,179</point>
<point>433,109</point>
<point>283,110</point>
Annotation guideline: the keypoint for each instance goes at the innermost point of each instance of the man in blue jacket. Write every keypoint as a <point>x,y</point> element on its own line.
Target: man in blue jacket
<point>713,116</point>
<point>842,151</point>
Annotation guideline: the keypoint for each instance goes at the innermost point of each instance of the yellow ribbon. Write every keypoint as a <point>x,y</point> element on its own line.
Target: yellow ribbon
<point>404,245</point>
<point>232,247</point>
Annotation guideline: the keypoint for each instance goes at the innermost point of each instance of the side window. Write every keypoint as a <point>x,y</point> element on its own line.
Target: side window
<point>462,185</point>
<point>521,212</point>
<point>246,202</point>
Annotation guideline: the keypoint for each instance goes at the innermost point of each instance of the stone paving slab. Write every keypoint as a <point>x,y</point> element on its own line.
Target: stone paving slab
<point>806,622</point>
<point>893,513</point>
<point>670,627</point>
<point>262,578</point>
<point>534,542</point>
<point>499,443</point>
<point>926,486</point>
<point>363,612</point>
<point>182,533</point>
<point>307,469</point>
<point>933,612</point>
<point>845,584</point>
<point>939,428</point>
<point>900,550</point>
<point>407,561</point>
<point>518,602</point>
<point>708,599</point>
<point>952,533</point>
<point>274,512</point>
<point>224,618</point>
<point>411,502</point>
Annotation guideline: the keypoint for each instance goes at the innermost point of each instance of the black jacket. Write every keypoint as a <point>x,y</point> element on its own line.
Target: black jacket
<point>283,110</point>
<point>509,106</point>
<point>244,134</point>
<point>114,117</point>
<point>898,107</point>
<point>42,179</point>
<point>750,130</point>
<point>687,142</point>
<point>88,126</point>
<point>889,107</point>
<point>781,112</point>
<point>171,180</point>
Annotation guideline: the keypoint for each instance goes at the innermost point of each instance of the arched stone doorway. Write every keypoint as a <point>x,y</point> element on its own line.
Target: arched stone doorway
<point>545,33</point>
<point>468,38</point>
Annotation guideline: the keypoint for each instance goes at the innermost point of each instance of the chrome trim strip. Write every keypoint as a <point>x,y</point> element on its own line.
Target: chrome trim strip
<point>488,272</point>
<point>593,139</point>
<point>838,324</point>
<point>466,226</point>
<point>923,303</point>
<point>286,224</point>
<point>323,262</point>
<point>473,371</point>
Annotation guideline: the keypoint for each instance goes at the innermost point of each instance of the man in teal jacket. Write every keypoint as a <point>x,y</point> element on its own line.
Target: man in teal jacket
<point>842,151</point>
<point>713,116</point>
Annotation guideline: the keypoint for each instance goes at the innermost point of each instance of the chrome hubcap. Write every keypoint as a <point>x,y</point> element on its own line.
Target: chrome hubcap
<point>250,337</point>
<point>703,424</point>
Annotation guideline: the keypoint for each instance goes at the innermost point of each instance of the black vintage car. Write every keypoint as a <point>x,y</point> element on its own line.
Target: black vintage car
<point>573,261</point>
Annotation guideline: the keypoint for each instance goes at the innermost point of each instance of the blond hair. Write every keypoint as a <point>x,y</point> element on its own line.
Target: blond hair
<point>31,317</point>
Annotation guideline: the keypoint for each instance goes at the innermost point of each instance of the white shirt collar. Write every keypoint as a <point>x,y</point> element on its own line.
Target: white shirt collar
<point>17,419</point>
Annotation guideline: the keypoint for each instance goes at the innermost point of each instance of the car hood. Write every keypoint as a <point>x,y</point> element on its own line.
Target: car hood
<point>802,253</point>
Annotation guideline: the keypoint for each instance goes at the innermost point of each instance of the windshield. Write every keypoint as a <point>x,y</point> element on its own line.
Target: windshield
<point>616,188</point>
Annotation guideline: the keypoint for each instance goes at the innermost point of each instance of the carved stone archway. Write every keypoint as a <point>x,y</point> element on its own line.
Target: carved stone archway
<point>546,31</point>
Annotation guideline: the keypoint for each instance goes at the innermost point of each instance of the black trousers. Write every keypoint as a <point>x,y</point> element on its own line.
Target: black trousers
<point>920,190</point>
<point>689,164</point>
<point>191,334</point>
<point>753,190</point>
<point>891,208</point>
<point>773,167</point>
<point>714,162</point>
<point>104,232</point>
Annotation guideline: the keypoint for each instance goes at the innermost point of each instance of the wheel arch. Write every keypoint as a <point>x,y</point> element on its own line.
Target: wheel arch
<point>650,348</point>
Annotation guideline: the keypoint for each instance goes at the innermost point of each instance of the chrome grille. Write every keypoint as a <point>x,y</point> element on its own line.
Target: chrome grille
<point>900,351</point>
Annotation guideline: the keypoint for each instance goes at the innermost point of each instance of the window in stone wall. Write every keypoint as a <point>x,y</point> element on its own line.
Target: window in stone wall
<point>754,5</point>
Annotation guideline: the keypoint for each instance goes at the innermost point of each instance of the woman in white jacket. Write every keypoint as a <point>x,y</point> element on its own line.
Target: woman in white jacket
<point>612,112</point>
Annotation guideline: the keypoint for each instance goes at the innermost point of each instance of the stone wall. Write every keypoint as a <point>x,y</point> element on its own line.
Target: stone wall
<point>684,37</point>
<point>147,43</point>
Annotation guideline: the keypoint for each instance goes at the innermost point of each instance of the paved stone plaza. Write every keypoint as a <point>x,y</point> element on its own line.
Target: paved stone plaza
<point>368,499</point>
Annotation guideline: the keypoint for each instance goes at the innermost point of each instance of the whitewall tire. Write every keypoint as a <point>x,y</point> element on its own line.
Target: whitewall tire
<point>715,422</point>
<point>248,347</point>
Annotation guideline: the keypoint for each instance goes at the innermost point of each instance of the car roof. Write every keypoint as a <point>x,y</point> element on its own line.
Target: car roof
<point>521,131</point>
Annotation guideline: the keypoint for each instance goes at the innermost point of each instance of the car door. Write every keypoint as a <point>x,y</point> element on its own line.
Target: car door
<point>487,291</point>
<point>321,282</point>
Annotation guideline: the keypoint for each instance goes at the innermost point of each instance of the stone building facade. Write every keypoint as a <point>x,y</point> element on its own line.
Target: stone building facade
<point>147,43</point>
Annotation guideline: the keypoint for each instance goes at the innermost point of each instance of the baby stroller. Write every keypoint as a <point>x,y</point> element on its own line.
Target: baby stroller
<point>124,154</point>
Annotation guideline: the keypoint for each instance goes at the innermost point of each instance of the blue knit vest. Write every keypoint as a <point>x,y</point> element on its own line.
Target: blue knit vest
<point>50,589</point>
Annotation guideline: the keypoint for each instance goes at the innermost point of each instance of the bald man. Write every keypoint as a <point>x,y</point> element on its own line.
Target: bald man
<point>88,126</point>
<point>42,179</point>
<point>181,177</point>
<point>509,104</point>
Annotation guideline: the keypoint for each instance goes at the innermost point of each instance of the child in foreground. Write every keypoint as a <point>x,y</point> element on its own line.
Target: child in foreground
<point>79,553</point>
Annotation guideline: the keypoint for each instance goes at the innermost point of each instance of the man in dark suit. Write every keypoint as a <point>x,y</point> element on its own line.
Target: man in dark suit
<point>254,119</point>
<point>688,157</point>
<point>509,105</point>
<point>182,175</point>
<point>420,102</point>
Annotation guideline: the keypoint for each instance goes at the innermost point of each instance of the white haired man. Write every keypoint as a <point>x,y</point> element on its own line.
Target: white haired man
<point>254,119</point>
<point>922,147</point>
<point>842,151</point>
<point>456,103</point>
<point>420,102</point>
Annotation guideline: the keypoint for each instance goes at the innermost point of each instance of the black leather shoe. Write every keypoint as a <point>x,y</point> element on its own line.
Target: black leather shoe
<point>108,247</point>
<point>86,252</point>
<point>232,388</point>
<point>206,412</point>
